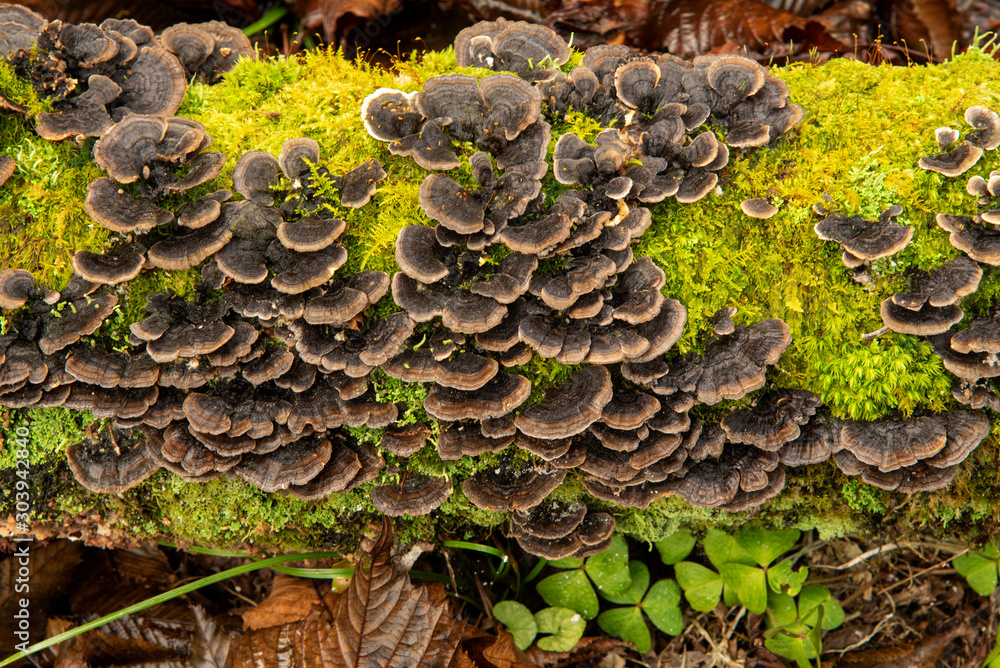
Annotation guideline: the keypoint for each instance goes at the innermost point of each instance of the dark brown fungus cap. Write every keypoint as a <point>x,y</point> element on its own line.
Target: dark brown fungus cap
<point>662,332</point>
<point>510,280</point>
<point>987,123</point>
<point>391,114</point>
<point>419,255</point>
<point>255,173</point>
<point>104,466</point>
<point>707,485</point>
<point>923,478</point>
<point>118,211</point>
<point>293,464</point>
<point>965,431</point>
<point>183,252</point>
<point>358,185</point>
<point>230,46</point>
<point>190,44</point>
<point>7,166</point>
<point>863,239</point>
<point>17,286</point>
<point>569,408</point>
<point>110,268</point>
<point>95,365</point>
<point>444,200</point>
<point>941,286</point>
<point>203,211</point>
<point>946,136</point>
<point>154,84</point>
<point>430,148</point>
<point>513,104</point>
<point>405,440</point>
<point>417,495</point>
<point>340,471</point>
<point>926,321</point>
<point>722,321</point>
<point>504,489</point>
<point>345,300</point>
<point>466,371</point>
<point>635,496</point>
<point>892,443</point>
<point>744,500</point>
<point>125,149</point>
<point>758,208</point>
<point>459,439</point>
<point>297,156</point>
<point>736,364</point>
<point>275,362</point>
<point>629,409</point>
<point>498,397</point>
<point>19,28</point>
<point>816,442</point>
<point>582,275</point>
<point>954,163</point>
<point>550,519</point>
<point>310,270</point>
<point>982,336</point>
<point>773,420</point>
<point>548,548</point>
<point>654,448</point>
<point>979,242</point>
<point>83,318</point>
<point>470,313</point>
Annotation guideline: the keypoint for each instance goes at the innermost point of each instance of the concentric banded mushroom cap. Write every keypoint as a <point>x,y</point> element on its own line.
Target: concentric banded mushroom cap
<point>965,431</point>
<point>941,286</point>
<point>507,490</point>
<point>297,156</point>
<point>892,443</point>
<point>758,208</point>
<point>979,242</point>
<point>255,173</point>
<point>310,234</point>
<point>108,269</point>
<point>866,240</point>
<point>104,467</point>
<point>416,495</point>
<point>736,364</point>
<point>118,211</point>
<point>343,467</point>
<point>954,163</point>
<point>183,252</point>
<point>926,321</point>
<point>987,123</point>
<point>496,398</point>
<point>513,104</point>
<point>390,114</point>
<point>154,85</point>
<point>190,44</point>
<point>125,149</point>
<point>569,408</point>
<point>17,286</point>
<point>294,464</point>
<point>357,186</point>
<point>774,420</point>
<point>444,200</point>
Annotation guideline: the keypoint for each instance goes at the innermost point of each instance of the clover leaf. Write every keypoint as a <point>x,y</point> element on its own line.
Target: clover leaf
<point>766,545</point>
<point>565,625</point>
<point>675,547</point>
<point>702,586</point>
<point>518,621</point>
<point>661,603</point>
<point>572,589</point>
<point>797,624</point>
<point>979,569</point>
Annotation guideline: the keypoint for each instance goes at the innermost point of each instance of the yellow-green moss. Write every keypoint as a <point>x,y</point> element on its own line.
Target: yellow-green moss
<point>864,130</point>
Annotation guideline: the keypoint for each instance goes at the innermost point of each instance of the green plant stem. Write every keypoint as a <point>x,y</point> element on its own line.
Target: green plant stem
<point>476,547</point>
<point>164,597</point>
<point>266,21</point>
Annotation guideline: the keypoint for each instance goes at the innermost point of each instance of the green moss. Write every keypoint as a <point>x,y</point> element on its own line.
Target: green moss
<point>864,130</point>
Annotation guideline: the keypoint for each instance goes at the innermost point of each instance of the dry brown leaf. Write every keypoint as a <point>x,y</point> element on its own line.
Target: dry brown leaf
<point>923,654</point>
<point>337,17</point>
<point>381,621</point>
<point>291,600</point>
<point>50,568</point>
<point>211,644</point>
<point>588,649</point>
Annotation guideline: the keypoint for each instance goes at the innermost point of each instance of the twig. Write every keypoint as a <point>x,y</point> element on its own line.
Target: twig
<point>868,336</point>
<point>878,627</point>
<point>716,650</point>
<point>912,577</point>
<point>862,557</point>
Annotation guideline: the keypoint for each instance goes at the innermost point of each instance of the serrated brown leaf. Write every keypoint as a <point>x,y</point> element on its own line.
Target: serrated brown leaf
<point>485,651</point>
<point>381,621</point>
<point>211,645</point>
<point>291,600</point>
<point>384,621</point>
<point>120,578</point>
<point>51,570</point>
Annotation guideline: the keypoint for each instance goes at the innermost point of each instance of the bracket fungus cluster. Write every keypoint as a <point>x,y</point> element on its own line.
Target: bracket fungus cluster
<point>963,155</point>
<point>257,375</point>
<point>96,75</point>
<point>863,240</point>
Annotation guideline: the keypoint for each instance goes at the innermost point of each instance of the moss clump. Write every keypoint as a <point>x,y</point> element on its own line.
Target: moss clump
<point>865,129</point>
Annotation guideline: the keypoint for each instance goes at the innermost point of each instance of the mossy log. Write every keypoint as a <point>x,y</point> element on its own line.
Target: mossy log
<point>864,130</point>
